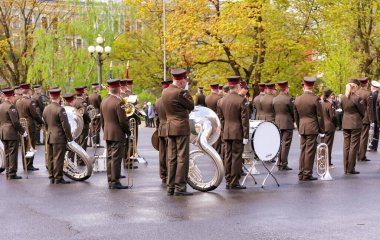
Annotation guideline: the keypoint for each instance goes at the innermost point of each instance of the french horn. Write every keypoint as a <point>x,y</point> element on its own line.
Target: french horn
<point>70,169</point>
<point>205,130</point>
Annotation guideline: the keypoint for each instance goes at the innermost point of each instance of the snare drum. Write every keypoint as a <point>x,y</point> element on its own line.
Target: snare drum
<point>264,141</point>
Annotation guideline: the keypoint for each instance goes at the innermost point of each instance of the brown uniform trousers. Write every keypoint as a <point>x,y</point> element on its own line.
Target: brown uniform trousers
<point>309,119</point>
<point>115,127</point>
<point>284,119</point>
<point>266,103</point>
<point>331,122</point>
<point>26,108</point>
<point>212,103</point>
<point>353,113</point>
<point>178,103</point>
<point>58,133</point>
<point>95,100</point>
<point>10,130</point>
<point>40,108</point>
<point>234,117</point>
<point>257,105</point>
<point>366,97</point>
<point>200,100</point>
<point>162,139</point>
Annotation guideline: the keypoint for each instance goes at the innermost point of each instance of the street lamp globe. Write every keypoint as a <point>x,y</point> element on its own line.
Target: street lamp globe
<point>99,39</point>
<point>99,49</point>
<point>91,49</point>
<point>107,49</point>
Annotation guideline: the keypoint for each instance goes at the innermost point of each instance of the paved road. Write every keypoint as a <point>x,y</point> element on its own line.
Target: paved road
<point>346,208</point>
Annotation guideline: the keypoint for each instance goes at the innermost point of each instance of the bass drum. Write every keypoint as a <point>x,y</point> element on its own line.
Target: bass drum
<point>70,168</point>
<point>2,155</point>
<point>264,141</point>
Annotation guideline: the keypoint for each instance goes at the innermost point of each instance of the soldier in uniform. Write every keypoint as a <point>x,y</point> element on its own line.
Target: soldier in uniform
<point>58,134</point>
<point>115,126</point>
<point>10,132</point>
<point>200,99</point>
<point>353,112</point>
<point>243,89</point>
<point>283,108</point>
<point>18,93</point>
<point>256,102</point>
<point>26,108</point>
<point>365,95</point>
<point>309,119</point>
<point>330,119</point>
<point>375,140</point>
<point>178,103</point>
<point>233,114</point>
<point>162,135</point>
<point>85,94</point>
<point>68,99</point>
<point>266,102</point>
<point>212,103</point>
<point>95,100</point>
<point>221,92</point>
<point>81,104</point>
<point>37,98</point>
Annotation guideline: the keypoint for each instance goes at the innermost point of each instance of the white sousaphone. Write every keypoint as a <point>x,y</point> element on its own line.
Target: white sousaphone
<point>205,130</point>
<point>70,168</point>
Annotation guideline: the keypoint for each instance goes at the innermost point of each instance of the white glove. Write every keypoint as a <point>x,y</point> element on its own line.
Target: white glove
<point>25,134</point>
<point>187,86</point>
<point>321,135</point>
<point>372,125</point>
<point>245,141</point>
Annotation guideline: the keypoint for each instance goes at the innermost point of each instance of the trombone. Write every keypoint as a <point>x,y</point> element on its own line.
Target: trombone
<point>132,151</point>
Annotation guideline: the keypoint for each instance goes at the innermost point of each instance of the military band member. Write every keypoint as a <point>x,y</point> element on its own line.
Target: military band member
<point>115,127</point>
<point>212,103</point>
<point>18,94</point>
<point>353,112</point>
<point>233,114</point>
<point>58,134</point>
<point>330,120</point>
<point>26,108</point>
<point>95,100</point>
<point>68,99</point>
<point>85,94</point>
<point>162,135</point>
<point>257,104</point>
<point>10,132</point>
<point>374,94</point>
<point>284,118</point>
<point>200,99</point>
<point>266,102</point>
<point>81,104</point>
<point>37,98</point>
<point>221,92</point>
<point>309,119</point>
<point>243,89</point>
<point>365,95</point>
<point>178,103</point>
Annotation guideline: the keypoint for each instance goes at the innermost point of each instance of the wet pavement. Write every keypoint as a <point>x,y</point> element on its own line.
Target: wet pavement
<point>346,208</point>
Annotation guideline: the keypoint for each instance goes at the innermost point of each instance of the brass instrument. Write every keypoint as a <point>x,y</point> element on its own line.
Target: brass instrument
<point>30,151</point>
<point>370,136</point>
<point>132,141</point>
<point>2,155</point>
<point>322,161</point>
<point>155,140</point>
<point>129,107</point>
<point>24,155</point>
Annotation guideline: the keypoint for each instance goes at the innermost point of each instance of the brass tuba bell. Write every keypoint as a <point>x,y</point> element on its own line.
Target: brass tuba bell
<point>129,107</point>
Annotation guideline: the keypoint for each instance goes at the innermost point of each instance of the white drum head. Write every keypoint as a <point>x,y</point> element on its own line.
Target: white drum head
<point>266,141</point>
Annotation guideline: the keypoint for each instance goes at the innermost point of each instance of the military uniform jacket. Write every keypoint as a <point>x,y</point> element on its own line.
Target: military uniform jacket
<point>95,100</point>
<point>267,107</point>
<point>257,106</point>
<point>329,116</point>
<point>308,114</point>
<point>212,101</point>
<point>375,94</point>
<point>283,108</point>
<point>353,112</point>
<point>114,121</point>
<point>58,129</point>
<point>26,108</point>
<point>178,103</point>
<point>200,99</point>
<point>365,95</point>
<point>10,126</point>
<point>39,103</point>
<point>234,118</point>
<point>79,103</point>
<point>160,109</point>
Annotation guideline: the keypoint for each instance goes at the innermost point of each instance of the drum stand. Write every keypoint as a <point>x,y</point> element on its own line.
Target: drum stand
<point>270,172</point>
<point>252,169</point>
<point>99,158</point>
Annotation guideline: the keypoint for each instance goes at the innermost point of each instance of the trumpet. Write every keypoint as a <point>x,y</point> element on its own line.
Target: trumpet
<point>322,162</point>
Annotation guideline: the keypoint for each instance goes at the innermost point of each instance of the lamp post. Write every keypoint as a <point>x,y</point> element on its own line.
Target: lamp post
<point>99,57</point>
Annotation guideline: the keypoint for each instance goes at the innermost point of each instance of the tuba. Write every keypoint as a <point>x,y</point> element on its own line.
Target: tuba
<point>205,130</point>
<point>70,169</point>
<point>322,161</point>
